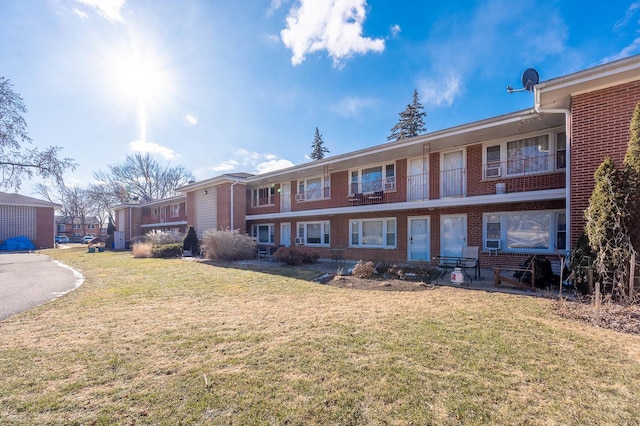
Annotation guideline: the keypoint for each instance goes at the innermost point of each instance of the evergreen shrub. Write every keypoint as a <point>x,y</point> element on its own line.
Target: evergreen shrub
<point>167,250</point>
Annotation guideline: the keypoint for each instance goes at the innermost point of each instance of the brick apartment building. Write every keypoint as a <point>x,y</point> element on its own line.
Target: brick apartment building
<point>512,185</point>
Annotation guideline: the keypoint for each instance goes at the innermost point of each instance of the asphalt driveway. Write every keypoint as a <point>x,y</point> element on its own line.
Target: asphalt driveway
<point>31,279</point>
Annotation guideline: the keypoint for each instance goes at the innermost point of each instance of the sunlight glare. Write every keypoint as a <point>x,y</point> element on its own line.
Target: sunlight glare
<point>139,80</point>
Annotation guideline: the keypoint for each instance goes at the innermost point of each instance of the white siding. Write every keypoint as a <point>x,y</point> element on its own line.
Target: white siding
<point>206,211</point>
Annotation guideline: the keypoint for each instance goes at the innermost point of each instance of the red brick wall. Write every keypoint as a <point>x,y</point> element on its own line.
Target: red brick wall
<point>600,128</point>
<point>340,232</point>
<point>45,227</point>
<point>223,199</point>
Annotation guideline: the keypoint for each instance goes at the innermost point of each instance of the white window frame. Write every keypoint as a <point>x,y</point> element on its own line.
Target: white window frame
<point>256,199</point>
<point>551,241</point>
<point>553,137</point>
<point>324,192</point>
<point>356,229</point>
<point>175,210</point>
<point>302,229</point>
<point>387,183</point>
<point>255,232</point>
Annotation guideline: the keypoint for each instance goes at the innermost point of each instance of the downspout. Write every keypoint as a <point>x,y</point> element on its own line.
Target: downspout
<point>567,183</point>
<point>232,185</point>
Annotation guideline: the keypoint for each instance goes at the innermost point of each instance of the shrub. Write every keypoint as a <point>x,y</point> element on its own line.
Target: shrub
<point>364,269</point>
<point>288,255</point>
<point>167,250</point>
<point>228,245</point>
<point>293,256</point>
<point>157,237</point>
<point>142,249</point>
<point>190,242</point>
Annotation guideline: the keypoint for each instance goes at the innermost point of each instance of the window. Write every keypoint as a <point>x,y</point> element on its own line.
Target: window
<point>534,231</point>
<point>263,234</point>
<point>526,156</point>
<point>373,179</point>
<point>561,232</point>
<point>91,227</point>
<point>77,226</point>
<point>61,227</point>
<point>263,196</point>
<point>315,188</point>
<point>379,233</point>
<point>314,233</point>
<point>561,150</point>
<point>536,154</point>
<point>175,210</point>
<point>156,211</point>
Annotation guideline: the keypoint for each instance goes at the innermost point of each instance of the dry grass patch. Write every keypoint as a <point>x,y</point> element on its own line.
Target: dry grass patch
<point>157,341</point>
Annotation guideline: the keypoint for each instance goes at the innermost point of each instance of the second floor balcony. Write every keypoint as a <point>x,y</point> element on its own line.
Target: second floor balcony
<point>519,175</point>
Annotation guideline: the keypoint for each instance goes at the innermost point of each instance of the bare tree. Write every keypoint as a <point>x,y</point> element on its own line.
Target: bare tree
<point>18,161</point>
<point>143,178</point>
<point>77,202</point>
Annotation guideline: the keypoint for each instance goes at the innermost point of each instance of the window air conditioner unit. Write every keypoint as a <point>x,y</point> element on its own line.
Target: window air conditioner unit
<point>491,172</point>
<point>390,185</point>
<point>300,197</point>
<point>492,244</point>
<point>299,241</point>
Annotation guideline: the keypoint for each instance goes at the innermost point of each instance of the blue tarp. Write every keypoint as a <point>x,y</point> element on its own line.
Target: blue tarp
<point>17,243</point>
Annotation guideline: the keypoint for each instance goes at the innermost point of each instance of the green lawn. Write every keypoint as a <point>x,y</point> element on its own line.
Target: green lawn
<point>152,341</point>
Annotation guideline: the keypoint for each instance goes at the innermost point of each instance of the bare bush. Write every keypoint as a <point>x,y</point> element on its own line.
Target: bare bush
<point>142,250</point>
<point>158,237</point>
<point>364,269</point>
<point>228,245</point>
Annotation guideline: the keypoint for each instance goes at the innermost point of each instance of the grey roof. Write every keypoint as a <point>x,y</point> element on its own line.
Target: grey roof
<point>7,199</point>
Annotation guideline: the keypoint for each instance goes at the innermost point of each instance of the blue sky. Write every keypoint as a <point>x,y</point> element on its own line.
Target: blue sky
<point>223,86</point>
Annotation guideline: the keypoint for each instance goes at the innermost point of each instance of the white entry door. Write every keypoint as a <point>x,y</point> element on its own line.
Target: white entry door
<point>285,197</point>
<point>453,182</point>
<point>419,238</point>
<point>453,234</point>
<point>285,234</point>
<point>418,184</point>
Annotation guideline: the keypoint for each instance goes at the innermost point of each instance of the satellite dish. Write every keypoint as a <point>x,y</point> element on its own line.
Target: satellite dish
<point>529,79</point>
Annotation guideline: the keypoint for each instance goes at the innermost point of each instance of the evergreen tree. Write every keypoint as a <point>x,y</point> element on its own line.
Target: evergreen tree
<point>319,150</point>
<point>411,121</point>
<point>632,168</point>
<point>606,227</point>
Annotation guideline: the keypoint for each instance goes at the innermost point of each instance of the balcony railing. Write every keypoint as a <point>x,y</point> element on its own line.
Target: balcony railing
<point>476,180</point>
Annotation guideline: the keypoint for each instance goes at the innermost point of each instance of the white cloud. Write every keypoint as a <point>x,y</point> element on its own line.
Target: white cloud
<point>440,92</point>
<point>252,162</point>
<point>631,10</point>
<point>331,25</point>
<point>627,51</point>
<point>352,105</point>
<point>152,148</point>
<point>273,165</point>
<point>191,119</point>
<point>80,14</point>
<point>108,9</point>
<point>225,166</point>
<point>395,30</point>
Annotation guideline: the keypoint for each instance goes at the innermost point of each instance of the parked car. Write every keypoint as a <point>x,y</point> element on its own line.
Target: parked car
<point>60,239</point>
<point>87,238</point>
